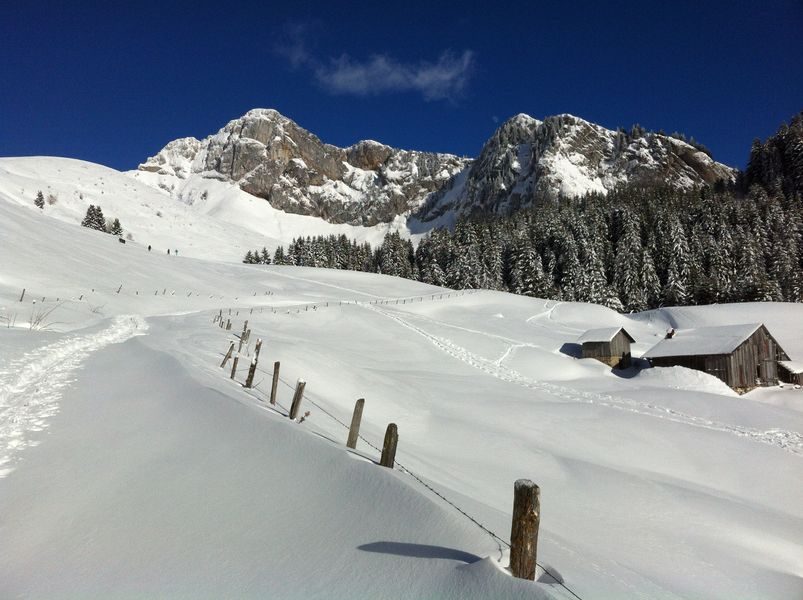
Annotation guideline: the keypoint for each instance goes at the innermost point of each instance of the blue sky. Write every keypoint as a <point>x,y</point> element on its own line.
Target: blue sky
<point>112,84</point>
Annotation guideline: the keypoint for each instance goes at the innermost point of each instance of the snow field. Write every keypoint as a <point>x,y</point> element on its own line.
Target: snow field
<point>156,474</point>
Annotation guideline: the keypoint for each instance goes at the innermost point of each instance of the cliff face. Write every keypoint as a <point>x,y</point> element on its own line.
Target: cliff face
<point>564,155</point>
<point>272,157</point>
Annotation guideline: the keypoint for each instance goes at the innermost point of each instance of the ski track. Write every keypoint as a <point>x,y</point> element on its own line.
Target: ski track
<point>30,386</point>
<point>331,285</point>
<point>789,441</point>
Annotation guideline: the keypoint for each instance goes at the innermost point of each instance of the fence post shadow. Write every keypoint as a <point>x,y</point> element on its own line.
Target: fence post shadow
<point>419,551</point>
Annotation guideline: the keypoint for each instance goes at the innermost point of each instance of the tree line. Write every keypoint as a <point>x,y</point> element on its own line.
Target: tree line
<point>632,249</point>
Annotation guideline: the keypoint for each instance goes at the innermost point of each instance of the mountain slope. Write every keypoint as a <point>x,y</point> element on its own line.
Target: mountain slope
<point>271,157</point>
<point>527,159</point>
<point>777,163</point>
<point>206,218</point>
<point>136,467</point>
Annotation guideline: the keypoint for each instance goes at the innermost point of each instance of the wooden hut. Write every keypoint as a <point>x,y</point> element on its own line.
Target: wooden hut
<point>743,356</point>
<point>610,345</point>
<point>791,371</point>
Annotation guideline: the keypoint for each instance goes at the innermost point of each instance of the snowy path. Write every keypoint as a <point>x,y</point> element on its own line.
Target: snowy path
<point>30,386</point>
<point>790,441</point>
<point>321,283</point>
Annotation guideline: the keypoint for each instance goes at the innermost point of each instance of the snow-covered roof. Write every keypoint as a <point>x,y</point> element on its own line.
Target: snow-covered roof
<point>793,366</point>
<point>602,334</point>
<point>703,341</point>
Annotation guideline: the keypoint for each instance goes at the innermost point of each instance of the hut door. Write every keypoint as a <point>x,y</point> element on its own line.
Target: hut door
<point>769,371</point>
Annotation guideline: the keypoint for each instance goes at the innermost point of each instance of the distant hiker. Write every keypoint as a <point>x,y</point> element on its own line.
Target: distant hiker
<point>176,251</point>
<point>168,251</point>
<point>149,247</point>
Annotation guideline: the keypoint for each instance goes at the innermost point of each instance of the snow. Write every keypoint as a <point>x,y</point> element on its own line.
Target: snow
<point>602,334</point>
<point>213,220</point>
<point>792,366</point>
<point>701,341</point>
<point>134,467</point>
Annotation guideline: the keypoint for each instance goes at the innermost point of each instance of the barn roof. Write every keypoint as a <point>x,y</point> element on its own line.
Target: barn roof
<point>603,334</point>
<point>703,341</point>
<point>793,366</point>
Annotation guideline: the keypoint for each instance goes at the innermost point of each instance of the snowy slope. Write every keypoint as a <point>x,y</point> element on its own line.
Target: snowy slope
<point>223,227</point>
<point>134,467</point>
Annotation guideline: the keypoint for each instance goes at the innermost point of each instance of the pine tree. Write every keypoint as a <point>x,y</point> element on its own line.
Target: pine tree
<point>94,218</point>
<point>116,228</point>
<point>649,279</point>
<point>89,218</point>
<point>40,200</point>
<point>99,221</point>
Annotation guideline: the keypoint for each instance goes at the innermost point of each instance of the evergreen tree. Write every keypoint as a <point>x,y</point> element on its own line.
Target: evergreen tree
<point>40,200</point>
<point>94,218</point>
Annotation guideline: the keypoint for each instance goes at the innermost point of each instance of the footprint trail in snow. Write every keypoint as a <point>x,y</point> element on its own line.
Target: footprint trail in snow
<point>790,441</point>
<point>30,387</point>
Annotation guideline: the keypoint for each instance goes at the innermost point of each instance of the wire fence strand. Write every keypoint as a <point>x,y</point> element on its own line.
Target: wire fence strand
<point>496,537</point>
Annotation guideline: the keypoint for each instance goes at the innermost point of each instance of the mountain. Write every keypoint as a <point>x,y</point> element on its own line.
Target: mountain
<point>527,159</point>
<point>205,219</point>
<point>777,163</point>
<point>270,156</point>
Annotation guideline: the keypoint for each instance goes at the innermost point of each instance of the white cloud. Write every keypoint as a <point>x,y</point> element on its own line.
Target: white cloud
<point>445,78</point>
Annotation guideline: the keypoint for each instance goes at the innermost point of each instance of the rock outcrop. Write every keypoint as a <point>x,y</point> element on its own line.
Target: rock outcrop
<point>527,160</point>
<point>272,157</point>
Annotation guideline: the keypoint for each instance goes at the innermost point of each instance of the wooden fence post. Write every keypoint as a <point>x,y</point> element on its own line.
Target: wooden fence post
<point>234,366</point>
<point>258,348</point>
<point>22,295</point>
<point>245,328</point>
<point>249,381</point>
<point>296,405</point>
<point>275,382</point>
<point>354,430</point>
<point>228,356</point>
<point>228,324</point>
<point>389,447</point>
<point>524,529</point>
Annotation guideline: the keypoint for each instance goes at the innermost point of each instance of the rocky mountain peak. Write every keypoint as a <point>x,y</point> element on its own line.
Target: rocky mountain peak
<point>272,157</point>
<point>526,160</point>
<point>174,159</point>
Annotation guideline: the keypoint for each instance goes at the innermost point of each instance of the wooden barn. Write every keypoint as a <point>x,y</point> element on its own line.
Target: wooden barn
<point>743,356</point>
<point>790,371</point>
<point>610,345</point>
